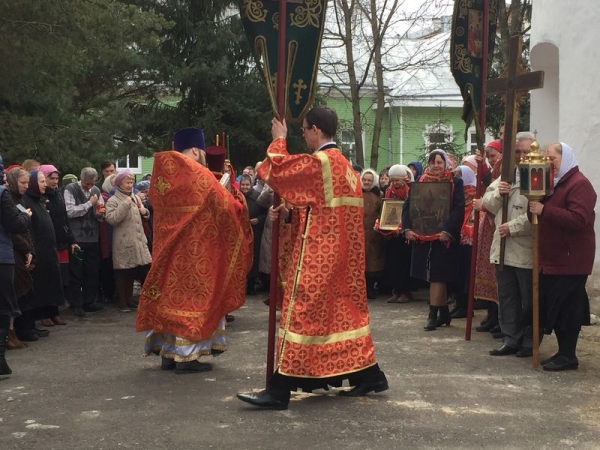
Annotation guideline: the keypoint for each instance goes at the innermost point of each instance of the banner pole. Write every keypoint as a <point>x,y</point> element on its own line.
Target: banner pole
<point>281,54</point>
<point>479,192</point>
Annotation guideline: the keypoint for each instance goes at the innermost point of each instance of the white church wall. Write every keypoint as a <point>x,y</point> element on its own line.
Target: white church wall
<point>573,87</point>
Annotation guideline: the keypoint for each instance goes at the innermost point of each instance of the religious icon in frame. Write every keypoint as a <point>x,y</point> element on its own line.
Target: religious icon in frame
<point>391,214</point>
<point>429,206</point>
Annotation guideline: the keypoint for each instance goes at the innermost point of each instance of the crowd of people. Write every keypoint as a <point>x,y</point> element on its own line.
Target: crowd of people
<point>84,241</point>
<point>398,260</point>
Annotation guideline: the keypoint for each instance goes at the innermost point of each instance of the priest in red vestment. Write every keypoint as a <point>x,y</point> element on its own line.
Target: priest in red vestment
<point>201,255</point>
<point>324,331</point>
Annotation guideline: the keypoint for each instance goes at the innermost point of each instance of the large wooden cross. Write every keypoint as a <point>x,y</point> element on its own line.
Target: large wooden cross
<point>511,85</point>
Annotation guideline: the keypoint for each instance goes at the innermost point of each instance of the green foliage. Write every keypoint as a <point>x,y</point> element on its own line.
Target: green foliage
<point>206,64</point>
<point>86,80</point>
<point>73,66</point>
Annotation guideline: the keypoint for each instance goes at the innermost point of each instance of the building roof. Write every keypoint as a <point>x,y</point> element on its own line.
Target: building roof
<point>417,66</point>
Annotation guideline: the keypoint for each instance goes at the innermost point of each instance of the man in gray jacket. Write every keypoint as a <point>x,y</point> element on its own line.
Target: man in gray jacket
<point>515,280</point>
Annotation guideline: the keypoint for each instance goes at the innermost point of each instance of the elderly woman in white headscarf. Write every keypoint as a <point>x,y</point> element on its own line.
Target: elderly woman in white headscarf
<point>397,250</point>
<point>566,254</point>
<point>373,240</point>
<point>131,257</point>
<point>435,249</point>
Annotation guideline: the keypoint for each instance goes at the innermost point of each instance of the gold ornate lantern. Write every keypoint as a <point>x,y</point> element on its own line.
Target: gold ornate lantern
<point>536,175</point>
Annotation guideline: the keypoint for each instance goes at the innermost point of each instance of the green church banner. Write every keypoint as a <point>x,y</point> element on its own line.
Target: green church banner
<point>305,22</point>
<point>466,52</point>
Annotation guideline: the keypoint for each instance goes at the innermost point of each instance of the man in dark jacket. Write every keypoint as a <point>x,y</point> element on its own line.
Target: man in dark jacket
<point>85,208</point>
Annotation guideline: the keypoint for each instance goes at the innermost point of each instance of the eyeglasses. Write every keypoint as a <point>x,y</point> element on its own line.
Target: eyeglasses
<point>306,128</point>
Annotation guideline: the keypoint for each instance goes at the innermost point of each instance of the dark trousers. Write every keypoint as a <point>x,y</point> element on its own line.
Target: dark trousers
<point>397,265</point>
<point>84,275</point>
<point>107,279</point>
<point>26,321</point>
<point>515,294</point>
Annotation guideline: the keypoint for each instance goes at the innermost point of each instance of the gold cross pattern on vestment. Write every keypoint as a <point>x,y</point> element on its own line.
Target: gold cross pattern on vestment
<point>162,186</point>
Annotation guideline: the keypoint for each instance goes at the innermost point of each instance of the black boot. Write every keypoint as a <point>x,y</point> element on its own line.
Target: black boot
<point>432,319</point>
<point>460,312</point>
<point>444,318</point>
<point>491,319</point>
<point>4,324</point>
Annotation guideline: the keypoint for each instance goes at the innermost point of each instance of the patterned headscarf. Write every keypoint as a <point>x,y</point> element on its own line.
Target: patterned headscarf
<point>12,178</point>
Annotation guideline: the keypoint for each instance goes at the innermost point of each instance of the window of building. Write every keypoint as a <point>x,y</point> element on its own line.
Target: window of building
<point>348,144</point>
<point>438,135</point>
<point>471,145</point>
<point>131,162</point>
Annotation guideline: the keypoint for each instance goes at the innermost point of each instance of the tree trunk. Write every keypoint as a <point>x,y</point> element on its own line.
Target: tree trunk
<point>354,85</point>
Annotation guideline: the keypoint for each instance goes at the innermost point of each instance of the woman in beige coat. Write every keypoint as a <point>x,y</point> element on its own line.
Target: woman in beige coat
<point>131,257</point>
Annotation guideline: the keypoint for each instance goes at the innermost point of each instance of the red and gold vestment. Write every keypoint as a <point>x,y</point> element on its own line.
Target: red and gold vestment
<point>201,254</point>
<point>324,327</point>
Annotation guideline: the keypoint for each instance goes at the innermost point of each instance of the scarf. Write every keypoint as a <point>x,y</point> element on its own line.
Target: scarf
<point>400,193</point>
<point>568,161</point>
<point>466,231</point>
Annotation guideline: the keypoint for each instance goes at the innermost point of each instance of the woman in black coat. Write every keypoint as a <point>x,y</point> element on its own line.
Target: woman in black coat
<point>47,285</point>
<point>18,182</point>
<point>258,214</point>
<point>65,240</point>
<point>11,221</point>
<point>435,257</point>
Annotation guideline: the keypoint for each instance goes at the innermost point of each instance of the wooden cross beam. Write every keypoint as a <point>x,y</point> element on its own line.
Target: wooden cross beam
<point>511,86</point>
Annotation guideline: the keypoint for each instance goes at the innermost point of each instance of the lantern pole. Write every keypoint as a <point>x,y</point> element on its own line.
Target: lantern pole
<point>536,292</point>
<point>535,189</point>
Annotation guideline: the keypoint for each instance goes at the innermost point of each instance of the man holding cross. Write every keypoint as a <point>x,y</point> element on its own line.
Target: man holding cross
<point>515,277</point>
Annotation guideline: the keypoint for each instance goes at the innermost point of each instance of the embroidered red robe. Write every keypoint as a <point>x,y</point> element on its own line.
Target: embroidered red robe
<point>324,327</point>
<point>201,253</point>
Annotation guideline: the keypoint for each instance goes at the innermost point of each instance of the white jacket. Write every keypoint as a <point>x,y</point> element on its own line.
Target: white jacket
<point>518,251</point>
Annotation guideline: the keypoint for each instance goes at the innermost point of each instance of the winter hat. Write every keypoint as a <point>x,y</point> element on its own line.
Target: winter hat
<point>397,171</point>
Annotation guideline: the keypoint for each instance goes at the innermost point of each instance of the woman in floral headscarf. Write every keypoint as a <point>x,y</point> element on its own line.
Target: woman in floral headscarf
<point>435,256</point>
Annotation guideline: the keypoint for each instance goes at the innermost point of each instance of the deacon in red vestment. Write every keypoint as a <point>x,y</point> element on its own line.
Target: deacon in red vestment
<point>201,255</point>
<point>324,331</point>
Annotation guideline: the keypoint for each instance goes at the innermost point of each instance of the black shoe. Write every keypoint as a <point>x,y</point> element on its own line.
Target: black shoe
<point>460,313</point>
<point>524,352</point>
<point>263,400</point>
<point>41,333</point>
<point>78,312</point>
<point>192,367</point>
<point>504,350</point>
<point>495,329</point>
<point>93,307</point>
<point>561,363</point>
<point>498,335</point>
<point>229,318</point>
<point>371,295</point>
<point>485,327</point>
<point>167,363</point>
<point>28,336</point>
<point>377,383</point>
<point>549,360</point>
